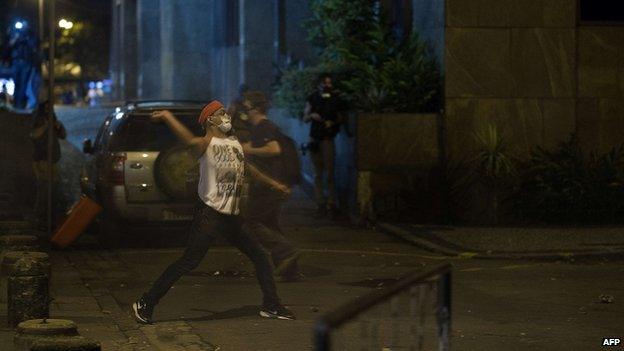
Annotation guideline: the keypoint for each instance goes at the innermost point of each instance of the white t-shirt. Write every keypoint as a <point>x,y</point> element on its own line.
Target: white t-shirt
<point>221,171</point>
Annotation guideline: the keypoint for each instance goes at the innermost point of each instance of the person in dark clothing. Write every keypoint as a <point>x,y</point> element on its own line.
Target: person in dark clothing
<point>39,137</point>
<point>23,53</point>
<point>324,111</point>
<point>265,204</point>
<point>239,117</point>
<point>4,95</point>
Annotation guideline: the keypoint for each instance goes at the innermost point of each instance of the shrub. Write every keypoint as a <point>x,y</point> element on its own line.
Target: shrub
<point>493,167</point>
<point>377,72</point>
<point>566,186</point>
<point>386,75</point>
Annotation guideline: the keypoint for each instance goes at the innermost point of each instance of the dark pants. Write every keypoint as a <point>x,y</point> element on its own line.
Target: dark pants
<point>206,225</point>
<point>323,158</point>
<point>21,74</point>
<point>264,209</point>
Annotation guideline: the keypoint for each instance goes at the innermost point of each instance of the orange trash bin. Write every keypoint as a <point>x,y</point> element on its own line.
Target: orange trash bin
<point>77,219</point>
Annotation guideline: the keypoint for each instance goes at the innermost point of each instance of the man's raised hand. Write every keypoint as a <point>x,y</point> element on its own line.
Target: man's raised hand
<point>158,116</point>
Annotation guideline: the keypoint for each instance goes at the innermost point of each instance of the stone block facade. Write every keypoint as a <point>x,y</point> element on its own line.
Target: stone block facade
<point>532,70</point>
<point>407,141</point>
<point>528,67</point>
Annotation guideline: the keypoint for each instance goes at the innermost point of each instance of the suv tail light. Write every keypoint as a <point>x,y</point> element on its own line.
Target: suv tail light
<point>117,166</point>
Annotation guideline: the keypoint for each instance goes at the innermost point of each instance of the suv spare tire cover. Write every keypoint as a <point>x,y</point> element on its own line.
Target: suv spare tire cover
<point>176,173</point>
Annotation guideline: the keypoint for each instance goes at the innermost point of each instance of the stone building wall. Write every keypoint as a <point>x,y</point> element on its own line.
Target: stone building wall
<point>600,105</point>
<point>510,63</point>
<point>529,68</point>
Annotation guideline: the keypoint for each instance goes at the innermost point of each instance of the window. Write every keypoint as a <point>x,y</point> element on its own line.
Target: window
<point>605,11</point>
<point>138,133</point>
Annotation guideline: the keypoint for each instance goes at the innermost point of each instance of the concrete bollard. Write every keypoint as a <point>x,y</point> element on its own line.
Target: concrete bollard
<point>13,226</point>
<point>41,330</point>
<point>28,291</point>
<point>18,242</point>
<point>9,259</point>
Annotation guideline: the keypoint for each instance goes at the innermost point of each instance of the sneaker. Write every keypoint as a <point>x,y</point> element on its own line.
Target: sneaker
<point>286,264</point>
<point>142,311</point>
<point>278,312</point>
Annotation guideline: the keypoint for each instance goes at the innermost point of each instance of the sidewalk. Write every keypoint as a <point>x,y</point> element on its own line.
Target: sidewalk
<point>545,243</point>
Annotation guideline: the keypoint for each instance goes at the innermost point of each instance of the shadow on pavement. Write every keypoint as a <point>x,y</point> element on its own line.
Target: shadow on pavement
<point>244,311</point>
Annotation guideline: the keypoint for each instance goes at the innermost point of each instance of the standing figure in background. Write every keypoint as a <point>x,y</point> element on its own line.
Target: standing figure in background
<point>324,111</point>
<point>4,95</point>
<point>23,54</point>
<point>34,80</point>
<point>39,137</point>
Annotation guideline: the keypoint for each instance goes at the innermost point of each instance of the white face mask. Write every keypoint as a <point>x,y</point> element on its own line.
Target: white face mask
<point>226,123</point>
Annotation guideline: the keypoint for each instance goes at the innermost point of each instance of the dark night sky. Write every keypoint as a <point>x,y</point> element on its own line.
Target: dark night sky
<point>97,12</point>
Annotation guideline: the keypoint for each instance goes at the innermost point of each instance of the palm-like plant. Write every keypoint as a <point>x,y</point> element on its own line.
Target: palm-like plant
<point>493,165</point>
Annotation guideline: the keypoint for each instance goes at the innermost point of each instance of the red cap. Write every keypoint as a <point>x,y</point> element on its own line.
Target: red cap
<point>209,110</point>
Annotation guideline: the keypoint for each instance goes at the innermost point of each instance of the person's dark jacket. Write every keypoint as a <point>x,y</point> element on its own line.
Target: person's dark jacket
<point>329,106</point>
<point>40,144</point>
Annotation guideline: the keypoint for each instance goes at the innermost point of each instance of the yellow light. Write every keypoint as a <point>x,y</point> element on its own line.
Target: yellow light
<point>65,24</point>
<point>76,70</point>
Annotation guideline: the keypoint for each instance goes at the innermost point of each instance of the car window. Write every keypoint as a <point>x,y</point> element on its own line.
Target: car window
<point>138,133</point>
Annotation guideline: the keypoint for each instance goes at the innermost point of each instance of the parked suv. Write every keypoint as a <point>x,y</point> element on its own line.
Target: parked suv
<point>139,171</point>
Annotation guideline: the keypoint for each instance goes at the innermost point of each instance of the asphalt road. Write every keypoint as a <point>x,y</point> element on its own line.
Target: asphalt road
<point>497,305</point>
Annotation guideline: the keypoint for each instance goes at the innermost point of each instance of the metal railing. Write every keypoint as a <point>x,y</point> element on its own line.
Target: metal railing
<point>382,330</point>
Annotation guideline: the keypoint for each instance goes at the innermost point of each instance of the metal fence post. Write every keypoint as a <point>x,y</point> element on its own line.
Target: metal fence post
<point>444,311</point>
<point>327,325</point>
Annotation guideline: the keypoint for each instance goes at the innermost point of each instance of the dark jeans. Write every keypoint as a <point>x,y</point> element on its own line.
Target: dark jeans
<point>323,159</point>
<point>21,71</point>
<point>264,209</point>
<point>206,225</point>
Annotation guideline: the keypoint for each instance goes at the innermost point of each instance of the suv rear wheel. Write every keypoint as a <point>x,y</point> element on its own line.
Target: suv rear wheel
<point>176,173</point>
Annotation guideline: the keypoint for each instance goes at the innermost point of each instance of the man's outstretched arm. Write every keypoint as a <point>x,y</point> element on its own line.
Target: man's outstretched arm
<point>270,149</point>
<point>198,144</point>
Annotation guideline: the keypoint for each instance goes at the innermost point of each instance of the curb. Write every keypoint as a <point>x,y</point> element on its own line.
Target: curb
<point>430,246</point>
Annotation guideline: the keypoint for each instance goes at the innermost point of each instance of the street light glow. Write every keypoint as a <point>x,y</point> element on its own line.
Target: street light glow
<point>65,24</point>
<point>19,25</point>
